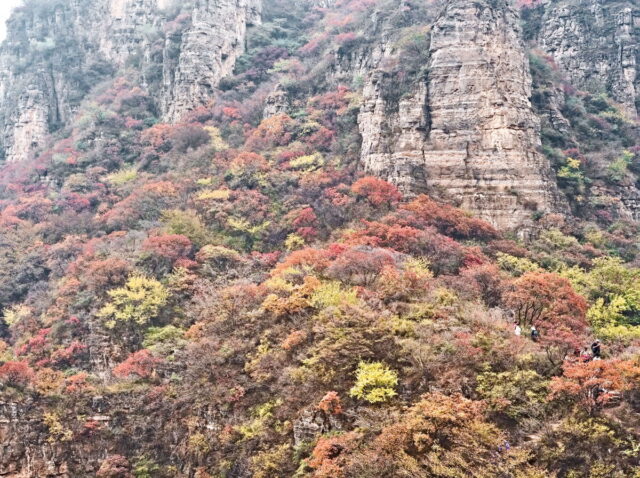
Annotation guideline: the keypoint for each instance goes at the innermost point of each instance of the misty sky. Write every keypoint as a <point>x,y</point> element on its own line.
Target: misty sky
<point>5,10</point>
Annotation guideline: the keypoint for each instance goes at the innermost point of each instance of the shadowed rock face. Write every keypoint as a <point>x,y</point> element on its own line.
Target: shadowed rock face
<point>595,43</point>
<point>54,55</point>
<point>468,133</point>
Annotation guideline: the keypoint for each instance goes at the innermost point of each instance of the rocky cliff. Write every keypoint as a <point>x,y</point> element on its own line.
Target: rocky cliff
<point>57,51</point>
<point>595,43</point>
<point>466,131</point>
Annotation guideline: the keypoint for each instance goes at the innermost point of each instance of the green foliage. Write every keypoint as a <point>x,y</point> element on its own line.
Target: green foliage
<point>518,394</point>
<point>619,168</point>
<point>516,266</point>
<point>145,468</point>
<point>187,223</point>
<point>164,340</point>
<point>137,303</point>
<point>375,383</point>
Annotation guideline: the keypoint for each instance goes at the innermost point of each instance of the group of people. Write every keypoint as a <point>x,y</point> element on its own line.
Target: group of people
<point>534,333</point>
<point>587,355</point>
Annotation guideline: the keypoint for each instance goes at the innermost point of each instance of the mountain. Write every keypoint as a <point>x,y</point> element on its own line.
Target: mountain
<point>320,238</point>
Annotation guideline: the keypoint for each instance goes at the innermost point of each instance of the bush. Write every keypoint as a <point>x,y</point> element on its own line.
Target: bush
<point>139,301</point>
<point>375,383</point>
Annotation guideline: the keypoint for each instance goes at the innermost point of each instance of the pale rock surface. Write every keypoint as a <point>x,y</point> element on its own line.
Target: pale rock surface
<point>48,53</point>
<point>595,43</point>
<point>468,133</point>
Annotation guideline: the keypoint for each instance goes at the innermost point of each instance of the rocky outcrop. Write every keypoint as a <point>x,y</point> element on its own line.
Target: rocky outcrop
<point>595,43</point>
<point>209,50</point>
<point>467,132</point>
<point>56,52</point>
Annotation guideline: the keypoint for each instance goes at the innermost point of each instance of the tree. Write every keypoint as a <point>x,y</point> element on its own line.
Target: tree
<point>376,191</point>
<point>375,383</point>
<point>161,252</point>
<point>548,301</point>
<point>440,436</point>
<point>360,265</point>
<point>135,304</point>
<point>596,383</point>
<point>140,363</point>
<point>16,374</point>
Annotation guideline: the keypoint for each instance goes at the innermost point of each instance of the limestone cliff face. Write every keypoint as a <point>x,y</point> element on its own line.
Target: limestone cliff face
<point>208,52</point>
<point>595,43</point>
<point>467,132</point>
<point>55,53</point>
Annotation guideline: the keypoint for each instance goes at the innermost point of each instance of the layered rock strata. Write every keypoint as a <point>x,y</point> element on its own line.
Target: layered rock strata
<point>467,133</point>
<point>595,43</point>
<point>54,54</point>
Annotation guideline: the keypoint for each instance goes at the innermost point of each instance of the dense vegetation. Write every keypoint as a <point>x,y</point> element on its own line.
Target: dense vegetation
<point>239,285</point>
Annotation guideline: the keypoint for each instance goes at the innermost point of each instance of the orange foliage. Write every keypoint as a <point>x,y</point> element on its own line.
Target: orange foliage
<point>140,363</point>
<point>376,191</point>
<point>594,384</point>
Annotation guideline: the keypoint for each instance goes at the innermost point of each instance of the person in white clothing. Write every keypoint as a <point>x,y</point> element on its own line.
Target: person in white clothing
<point>518,330</point>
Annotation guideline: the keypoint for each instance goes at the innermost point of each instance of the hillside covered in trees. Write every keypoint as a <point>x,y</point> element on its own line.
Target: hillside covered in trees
<point>264,281</point>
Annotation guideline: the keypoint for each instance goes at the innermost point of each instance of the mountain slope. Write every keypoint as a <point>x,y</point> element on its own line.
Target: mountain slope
<point>206,273</point>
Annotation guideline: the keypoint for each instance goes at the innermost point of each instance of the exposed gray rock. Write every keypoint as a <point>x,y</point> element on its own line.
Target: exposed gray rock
<point>467,133</point>
<point>595,42</point>
<point>53,55</point>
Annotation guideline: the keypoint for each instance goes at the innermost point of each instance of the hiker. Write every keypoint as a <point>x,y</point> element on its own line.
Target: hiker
<point>517,330</point>
<point>586,355</point>
<point>535,335</point>
<point>595,349</point>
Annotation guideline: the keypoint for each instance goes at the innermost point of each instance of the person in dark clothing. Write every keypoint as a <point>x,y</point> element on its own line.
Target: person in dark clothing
<point>595,349</point>
<point>535,335</point>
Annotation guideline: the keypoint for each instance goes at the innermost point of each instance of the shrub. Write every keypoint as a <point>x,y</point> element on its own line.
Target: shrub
<point>140,363</point>
<point>375,383</point>
<point>16,374</point>
<point>139,301</point>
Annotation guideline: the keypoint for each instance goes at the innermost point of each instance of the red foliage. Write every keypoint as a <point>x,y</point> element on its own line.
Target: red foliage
<point>140,363</point>
<point>168,246</point>
<point>249,163</point>
<point>548,301</point>
<point>595,383</point>
<point>69,355</point>
<point>361,265</point>
<point>331,403</point>
<point>376,191</point>
<point>16,373</point>
<point>331,453</point>
<point>449,220</point>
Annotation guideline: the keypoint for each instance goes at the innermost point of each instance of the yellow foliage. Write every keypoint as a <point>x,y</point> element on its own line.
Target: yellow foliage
<point>294,242</point>
<point>308,163</point>
<point>375,383</point>
<point>123,176</point>
<point>139,301</point>
<point>214,195</point>
<point>16,313</point>
<point>57,432</point>
<point>332,294</point>
<point>516,266</point>
<point>217,142</point>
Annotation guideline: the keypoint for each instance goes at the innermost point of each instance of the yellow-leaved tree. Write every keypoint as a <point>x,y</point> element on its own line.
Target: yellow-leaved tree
<point>136,304</point>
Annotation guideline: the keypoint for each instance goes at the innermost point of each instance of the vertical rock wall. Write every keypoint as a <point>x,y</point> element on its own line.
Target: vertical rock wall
<point>467,133</point>
<point>55,53</point>
<point>595,43</point>
<point>208,52</point>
